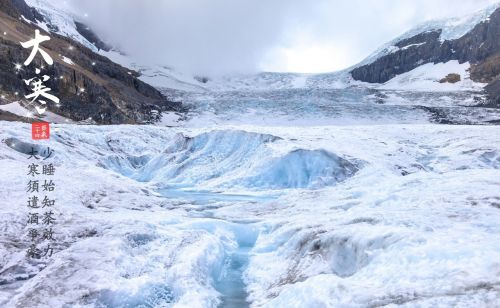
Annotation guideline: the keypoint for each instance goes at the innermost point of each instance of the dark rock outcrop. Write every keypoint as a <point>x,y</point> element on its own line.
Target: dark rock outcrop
<point>493,89</point>
<point>451,78</point>
<point>487,70</point>
<point>87,33</point>
<point>17,8</point>
<point>480,47</point>
<point>88,85</point>
<point>415,51</point>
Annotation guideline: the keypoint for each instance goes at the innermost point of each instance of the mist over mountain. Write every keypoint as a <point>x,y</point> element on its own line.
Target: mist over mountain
<point>223,37</point>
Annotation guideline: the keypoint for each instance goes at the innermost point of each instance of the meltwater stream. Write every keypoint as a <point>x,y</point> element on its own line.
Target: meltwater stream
<point>214,170</point>
<point>229,281</point>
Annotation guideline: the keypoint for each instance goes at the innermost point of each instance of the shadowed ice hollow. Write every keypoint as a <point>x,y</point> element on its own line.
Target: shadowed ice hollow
<point>234,158</point>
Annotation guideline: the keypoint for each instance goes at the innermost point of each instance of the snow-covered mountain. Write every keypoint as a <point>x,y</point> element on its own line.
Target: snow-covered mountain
<point>471,41</point>
<point>451,46</point>
<point>450,29</point>
<point>438,89</point>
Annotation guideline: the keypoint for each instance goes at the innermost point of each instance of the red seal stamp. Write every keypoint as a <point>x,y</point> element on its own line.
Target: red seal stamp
<point>40,130</point>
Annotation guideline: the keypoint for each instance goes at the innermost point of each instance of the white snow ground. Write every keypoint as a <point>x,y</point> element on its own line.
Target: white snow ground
<point>391,215</point>
<point>426,78</point>
<point>16,108</point>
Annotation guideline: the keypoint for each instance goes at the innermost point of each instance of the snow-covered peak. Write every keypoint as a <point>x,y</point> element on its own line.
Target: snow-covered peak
<point>60,19</point>
<point>456,27</point>
<point>451,29</point>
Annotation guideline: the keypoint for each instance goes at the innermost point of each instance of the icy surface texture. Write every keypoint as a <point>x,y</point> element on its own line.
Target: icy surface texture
<point>416,224</point>
<point>232,158</point>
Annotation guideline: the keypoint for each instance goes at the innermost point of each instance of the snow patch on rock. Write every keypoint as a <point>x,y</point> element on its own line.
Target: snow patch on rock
<point>427,78</point>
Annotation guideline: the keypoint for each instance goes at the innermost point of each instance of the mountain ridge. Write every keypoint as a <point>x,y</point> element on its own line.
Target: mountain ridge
<point>479,46</point>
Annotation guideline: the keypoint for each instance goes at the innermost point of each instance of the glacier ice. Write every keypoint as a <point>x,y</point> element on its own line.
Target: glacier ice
<point>234,159</point>
<point>149,296</point>
<point>362,233</point>
<point>302,169</point>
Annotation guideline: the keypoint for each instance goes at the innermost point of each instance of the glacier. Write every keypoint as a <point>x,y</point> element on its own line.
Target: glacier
<point>232,158</point>
<point>269,216</point>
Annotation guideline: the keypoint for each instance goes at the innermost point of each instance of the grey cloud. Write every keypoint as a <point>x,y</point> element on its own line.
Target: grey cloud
<point>220,36</point>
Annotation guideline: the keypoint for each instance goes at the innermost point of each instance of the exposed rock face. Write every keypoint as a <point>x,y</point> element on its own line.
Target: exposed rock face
<point>89,85</point>
<point>16,8</point>
<point>451,78</point>
<point>480,47</point>
<point>488,70</point>
<point>87,33</point>
<point>493,88</point>
<point>415,51</point>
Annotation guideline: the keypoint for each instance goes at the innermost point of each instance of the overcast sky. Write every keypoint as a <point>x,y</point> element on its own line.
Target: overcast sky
<point>222,36</point>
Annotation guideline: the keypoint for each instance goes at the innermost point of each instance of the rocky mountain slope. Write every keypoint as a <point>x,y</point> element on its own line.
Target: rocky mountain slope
<point>432,43</point>
<point>91,87</point>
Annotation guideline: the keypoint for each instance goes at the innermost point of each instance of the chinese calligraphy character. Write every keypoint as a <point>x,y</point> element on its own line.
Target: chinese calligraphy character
<point>39,89</point>
<point>48,251</point>
<point>35,43</point>
<point>33,186</point>
<point>34,252</point>
<point>48,185</point>
<point>47,202</point>
<point>33,153</point>
<point>33,202</point>
<point>47,153</point>
<point>33,218</point>
<point>33,170</point>
<point>48,234</point>
<point>48,218</point>
<point>33,234</point>
<point>48,169</point>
